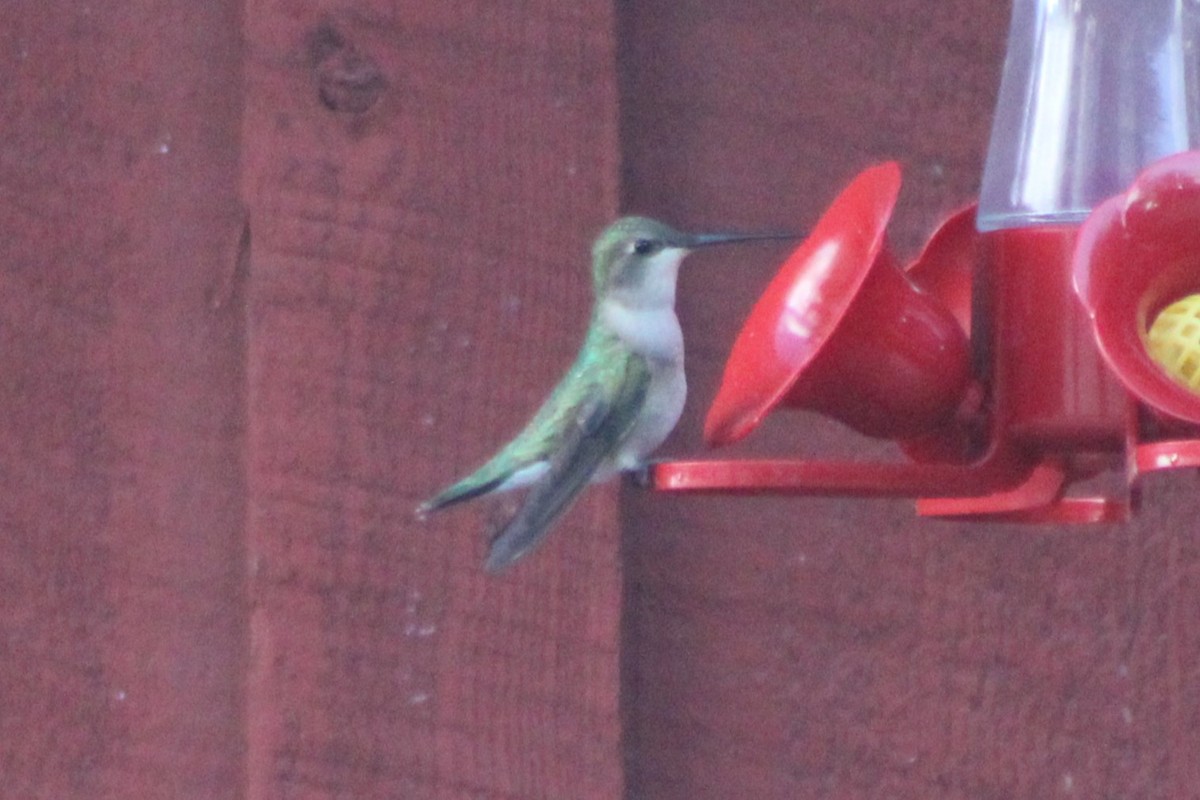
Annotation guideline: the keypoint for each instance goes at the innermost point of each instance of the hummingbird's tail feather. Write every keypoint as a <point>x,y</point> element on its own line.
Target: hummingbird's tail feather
<point>466,489</point>
<point>503,473</point>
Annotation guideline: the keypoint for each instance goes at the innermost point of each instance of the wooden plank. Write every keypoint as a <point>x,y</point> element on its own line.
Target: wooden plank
<point>122,619</point>
<point>842,648</point>
<point>423,181</point>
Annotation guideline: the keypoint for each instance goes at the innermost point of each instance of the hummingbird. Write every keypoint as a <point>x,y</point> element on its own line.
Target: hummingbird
<point>619,400</point>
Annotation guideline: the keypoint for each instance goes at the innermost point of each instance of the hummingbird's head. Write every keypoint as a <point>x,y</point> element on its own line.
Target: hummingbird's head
<point>636,259</point>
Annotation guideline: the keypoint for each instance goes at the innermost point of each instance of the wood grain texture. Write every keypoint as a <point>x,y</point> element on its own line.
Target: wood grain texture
<point>423,181</point>
<point>273,272</point>
<point>809,648</point>
<point>122,620</point>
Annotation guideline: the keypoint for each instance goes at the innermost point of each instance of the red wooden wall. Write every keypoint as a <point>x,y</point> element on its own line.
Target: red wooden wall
<point>271,272</point>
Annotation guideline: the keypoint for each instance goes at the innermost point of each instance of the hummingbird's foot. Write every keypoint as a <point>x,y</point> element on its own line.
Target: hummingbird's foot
<point>643,476</point>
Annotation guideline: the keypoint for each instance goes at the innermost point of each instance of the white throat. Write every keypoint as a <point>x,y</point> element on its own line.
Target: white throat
<point>644,316</point>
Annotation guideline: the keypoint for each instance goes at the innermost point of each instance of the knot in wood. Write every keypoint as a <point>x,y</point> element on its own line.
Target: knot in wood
<point>348,80</point>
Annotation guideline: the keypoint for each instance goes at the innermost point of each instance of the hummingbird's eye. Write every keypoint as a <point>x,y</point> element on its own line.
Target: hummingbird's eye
<point>644,247</point>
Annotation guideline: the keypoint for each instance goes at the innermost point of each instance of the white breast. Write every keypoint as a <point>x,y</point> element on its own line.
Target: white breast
<point>664,405</point>
<point>652,332</point>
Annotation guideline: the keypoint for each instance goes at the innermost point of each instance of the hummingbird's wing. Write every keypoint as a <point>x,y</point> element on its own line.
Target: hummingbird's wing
<point>598,424</point>
<point>600,364</point>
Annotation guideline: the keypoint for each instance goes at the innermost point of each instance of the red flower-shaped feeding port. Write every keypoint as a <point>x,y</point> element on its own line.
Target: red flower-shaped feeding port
<point>1137,254</point>
<point>842,330</point>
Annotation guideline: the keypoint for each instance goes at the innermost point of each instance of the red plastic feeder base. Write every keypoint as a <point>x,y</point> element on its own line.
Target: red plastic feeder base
<point>1060,390</point>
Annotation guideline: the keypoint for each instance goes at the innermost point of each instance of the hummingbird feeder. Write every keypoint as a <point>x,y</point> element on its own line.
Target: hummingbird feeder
<point>1045,336</point>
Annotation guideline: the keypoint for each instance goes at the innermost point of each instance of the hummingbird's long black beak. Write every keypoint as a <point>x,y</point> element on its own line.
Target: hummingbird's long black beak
<point>695,240</point>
